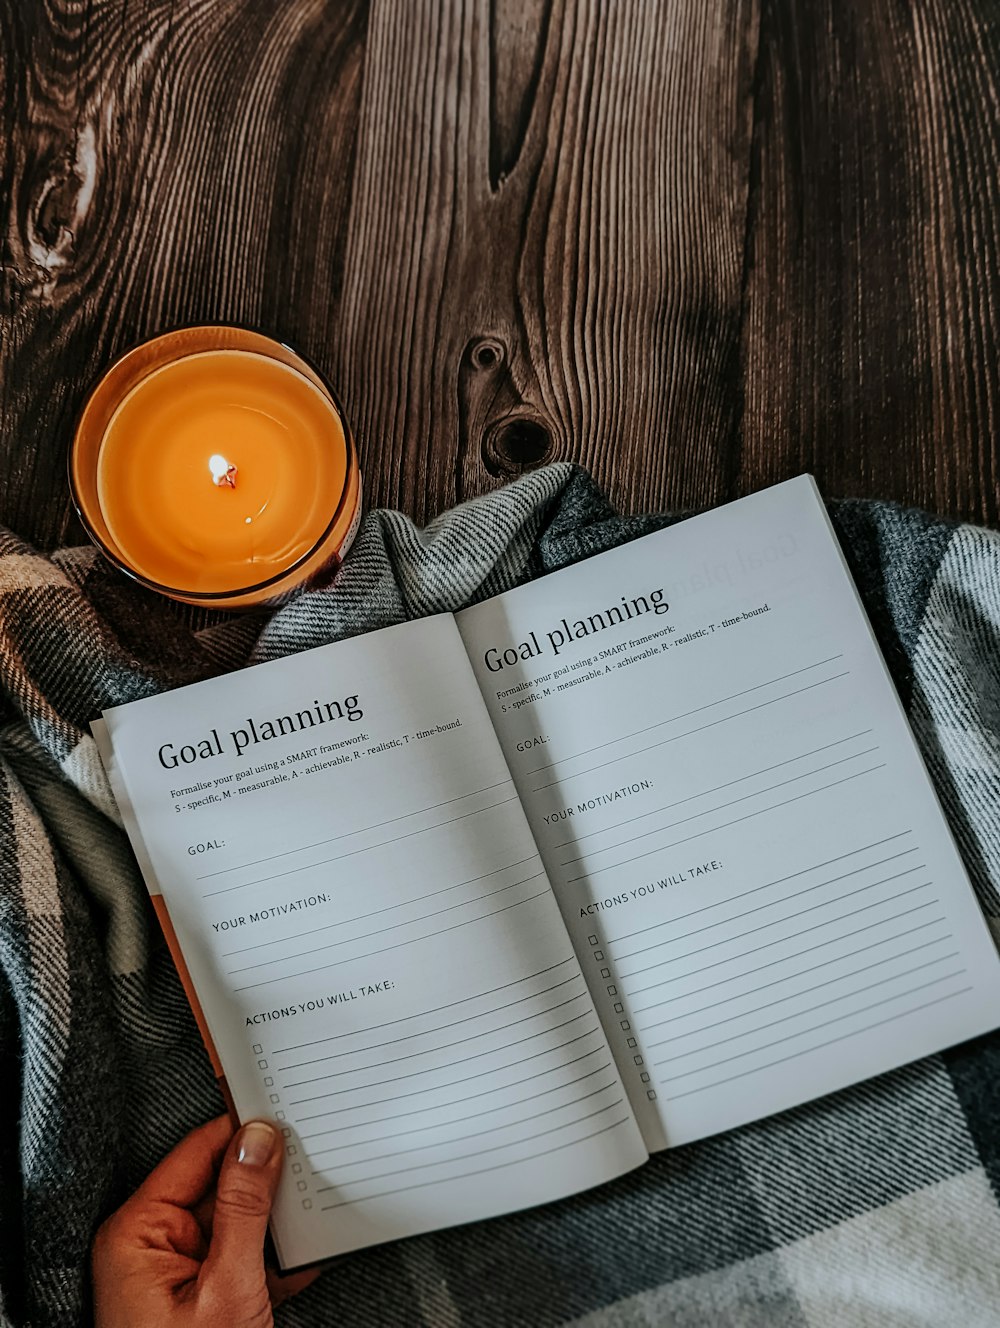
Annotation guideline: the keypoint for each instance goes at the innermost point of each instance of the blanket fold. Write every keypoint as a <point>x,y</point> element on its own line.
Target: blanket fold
<point>877,1206</point>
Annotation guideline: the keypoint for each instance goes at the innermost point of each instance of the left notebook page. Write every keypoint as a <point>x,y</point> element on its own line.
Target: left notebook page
<point>376,949</point>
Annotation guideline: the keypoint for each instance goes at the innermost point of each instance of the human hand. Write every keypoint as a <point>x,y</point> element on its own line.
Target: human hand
<point>187,1249</point>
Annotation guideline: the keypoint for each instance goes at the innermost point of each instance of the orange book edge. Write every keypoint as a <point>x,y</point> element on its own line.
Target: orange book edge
<point>173,945</point>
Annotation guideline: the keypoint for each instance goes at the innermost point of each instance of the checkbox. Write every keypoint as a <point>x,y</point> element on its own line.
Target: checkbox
<point>268,1081</point>
<point>279,1115</point>
<point>631,1042</point>
<point>275,1097</point>
<point>296,1167</point>
<point>651,1094</point>
<point>644,1077</point>
<point>301,1184</point>
<point>619,1008</point>
<point>307,1203</point>
<point>605,972</point>
<point>262,1065</point>
<point>626,1025</point>
<point>592,940</point>
<point>598,954</point>
<point>638,1060</point>
<point>291,1150</point>
<point>257,1049</point>
<point>287,1132</point>
<point>612,990</point>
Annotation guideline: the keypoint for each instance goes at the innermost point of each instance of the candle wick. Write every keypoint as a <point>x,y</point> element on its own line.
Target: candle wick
<point>223,472</point>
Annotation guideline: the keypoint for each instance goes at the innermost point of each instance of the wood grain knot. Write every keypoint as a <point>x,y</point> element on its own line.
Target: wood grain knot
<point>515,443</point>
<point>58,209</point>
<point>487,353</point>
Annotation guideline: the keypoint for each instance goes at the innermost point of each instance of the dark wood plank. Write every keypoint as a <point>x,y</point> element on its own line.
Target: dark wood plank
<point>164,163</point>
<point>694,247</point>
<point>546,246</point>
<point>873,291</point>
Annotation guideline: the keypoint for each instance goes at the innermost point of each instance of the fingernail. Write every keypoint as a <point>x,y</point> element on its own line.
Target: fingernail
<point>257,1141</point>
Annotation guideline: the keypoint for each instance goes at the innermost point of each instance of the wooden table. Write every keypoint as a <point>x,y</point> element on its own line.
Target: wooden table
<point>696,245</point>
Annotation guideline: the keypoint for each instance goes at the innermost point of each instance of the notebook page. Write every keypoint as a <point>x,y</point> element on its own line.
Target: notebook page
<point>377,952</point>
<point>745,844</point>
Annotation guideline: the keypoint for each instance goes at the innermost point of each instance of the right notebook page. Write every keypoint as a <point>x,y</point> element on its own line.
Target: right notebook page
<point>742,836</point>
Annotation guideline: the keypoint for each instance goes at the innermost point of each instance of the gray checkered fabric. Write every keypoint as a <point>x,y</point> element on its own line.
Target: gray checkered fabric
<point>876,1207</point>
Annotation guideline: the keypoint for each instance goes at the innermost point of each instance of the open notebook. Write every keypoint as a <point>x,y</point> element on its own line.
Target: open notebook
<point>484,908</point>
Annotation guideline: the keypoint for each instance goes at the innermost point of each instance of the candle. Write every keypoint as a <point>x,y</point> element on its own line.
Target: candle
<point>216,471</point>
<point>215,465</point>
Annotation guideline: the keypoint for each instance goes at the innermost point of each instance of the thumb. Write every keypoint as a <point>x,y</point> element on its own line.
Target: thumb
<point>244,1195</point>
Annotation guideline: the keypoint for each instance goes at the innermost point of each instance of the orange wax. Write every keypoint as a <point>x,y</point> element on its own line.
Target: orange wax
<point>220,470</point>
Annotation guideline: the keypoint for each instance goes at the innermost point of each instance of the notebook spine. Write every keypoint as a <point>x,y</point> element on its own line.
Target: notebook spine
<point>173,945</point>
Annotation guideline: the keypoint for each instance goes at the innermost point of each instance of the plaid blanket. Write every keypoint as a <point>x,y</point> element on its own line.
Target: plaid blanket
<point>874,1207</point>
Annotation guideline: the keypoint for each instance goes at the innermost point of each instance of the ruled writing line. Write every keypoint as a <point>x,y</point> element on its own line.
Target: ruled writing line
<point>753,774</point>
<point>777,982</point>
<point>813,1028</point>
<point>781,1060</point>
<point>444,1046</point>
<point>373,1028</point>
<point>409,1037</point>
<point>433,1088</point>
<point>342,857</point>
<point>926,885</point>
<point>482,1171</point>
<point>576,774</point>
<point>821,1005</point>
<point>479,1152</point>
<point>319,843</point>
<point>869,926</point>
<point>382,931</point>
<point>712,829</point>
<point>416,1074</point>
<point>389,908</point>
<point>321,968</point>
<point>708,811</point>
<point>759,908</point>
<point>686,714</point>
<point>459,1138</point>
<point>433,1069</point>
<point>781,940</point>
<point>743,894</point>
<point>438,1125</point>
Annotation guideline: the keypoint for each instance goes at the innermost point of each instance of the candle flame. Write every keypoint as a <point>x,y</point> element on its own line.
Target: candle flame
<point>223,471</point>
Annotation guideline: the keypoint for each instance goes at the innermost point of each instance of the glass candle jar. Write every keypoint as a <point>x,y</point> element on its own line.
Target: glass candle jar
<point>216,466</point>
